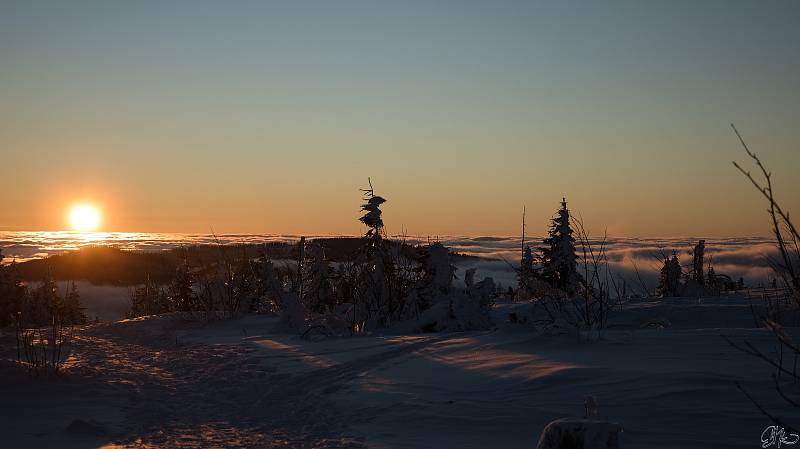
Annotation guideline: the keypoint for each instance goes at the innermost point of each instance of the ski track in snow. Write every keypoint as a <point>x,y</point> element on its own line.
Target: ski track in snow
<point>199,395</point>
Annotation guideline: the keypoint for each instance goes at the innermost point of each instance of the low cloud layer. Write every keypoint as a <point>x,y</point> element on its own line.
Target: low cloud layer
<point>736,257</point>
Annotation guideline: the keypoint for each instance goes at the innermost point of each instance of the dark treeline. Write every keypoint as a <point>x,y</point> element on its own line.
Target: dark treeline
<point>104,265</point>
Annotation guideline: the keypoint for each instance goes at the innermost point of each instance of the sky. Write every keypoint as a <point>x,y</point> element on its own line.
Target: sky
<point>268,117</point>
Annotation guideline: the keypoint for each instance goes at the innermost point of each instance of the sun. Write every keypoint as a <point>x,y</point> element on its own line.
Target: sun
<point>84,217</point>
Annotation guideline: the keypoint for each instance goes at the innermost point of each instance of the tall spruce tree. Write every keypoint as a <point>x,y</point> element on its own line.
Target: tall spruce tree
<point>181,289</point>
<point>376,304</point>
<point>74,313</point>
<point>559,262</point>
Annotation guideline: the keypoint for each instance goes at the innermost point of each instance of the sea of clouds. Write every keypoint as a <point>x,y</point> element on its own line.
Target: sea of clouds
<point>636,260</point>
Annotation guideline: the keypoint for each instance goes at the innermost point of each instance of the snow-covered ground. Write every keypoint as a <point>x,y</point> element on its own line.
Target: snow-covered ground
<point>167,382</point>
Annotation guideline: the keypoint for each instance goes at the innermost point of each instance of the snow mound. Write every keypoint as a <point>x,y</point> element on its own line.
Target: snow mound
<point>559,326</point>
<point>580,433</point>
<point>457,313</point>
<point>82,427</point>
<point>656,323</point>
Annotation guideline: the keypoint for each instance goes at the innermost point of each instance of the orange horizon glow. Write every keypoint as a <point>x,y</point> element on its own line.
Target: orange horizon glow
<point>402,215</point>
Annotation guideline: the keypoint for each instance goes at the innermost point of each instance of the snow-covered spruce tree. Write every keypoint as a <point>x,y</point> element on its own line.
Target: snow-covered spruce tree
<point>376,306</point>
<point>242,287</point>
<point>372,214</point>
<point>318,294</point>
<point>436,276</point>
<point>269,287</point>
<point>559,262</point>
<point>525,275</point>
<point>148,299</point>
<point>484,291</point>
<point>182,293</point>
<point>670,277</point>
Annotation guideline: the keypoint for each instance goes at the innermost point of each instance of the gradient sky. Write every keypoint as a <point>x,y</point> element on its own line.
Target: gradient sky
<point>268,116</point>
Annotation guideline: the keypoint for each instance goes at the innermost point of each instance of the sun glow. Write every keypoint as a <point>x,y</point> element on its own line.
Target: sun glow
<point>84,217</point>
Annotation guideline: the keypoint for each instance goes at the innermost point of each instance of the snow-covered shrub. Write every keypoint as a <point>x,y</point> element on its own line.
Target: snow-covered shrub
<point>182,289</point>
<point>435,279</point>
<point>454,313</point>
<point>41,318</point>
<point>783,358</point>
<point>294,315</point>
<point>42,326</point>
<point>317,294</point>
<point>336,321</point>
<point>438,306</point>
<point>557,327</point>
